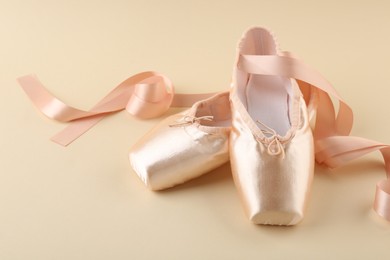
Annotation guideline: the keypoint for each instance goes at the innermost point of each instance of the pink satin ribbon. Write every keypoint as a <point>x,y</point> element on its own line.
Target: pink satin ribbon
<point>150,94</point>
<point>144,95</point>
<point>334,147</point>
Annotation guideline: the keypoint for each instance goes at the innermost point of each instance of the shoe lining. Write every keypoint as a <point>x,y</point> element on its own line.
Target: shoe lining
<point>268,101</point>
<point>267,97</point>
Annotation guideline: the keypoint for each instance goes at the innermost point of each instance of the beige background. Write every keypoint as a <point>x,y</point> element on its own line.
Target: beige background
<point>84,202</point>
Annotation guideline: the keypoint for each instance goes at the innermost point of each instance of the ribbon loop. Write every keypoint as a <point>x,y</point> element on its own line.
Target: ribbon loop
<point>150,98</point>
<point>275,147</point>
<point>144,95</point>
<point>382,199</point>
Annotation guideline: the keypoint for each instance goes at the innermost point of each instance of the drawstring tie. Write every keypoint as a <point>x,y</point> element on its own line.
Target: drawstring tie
<point>189,120</point>
<point>275,146</point>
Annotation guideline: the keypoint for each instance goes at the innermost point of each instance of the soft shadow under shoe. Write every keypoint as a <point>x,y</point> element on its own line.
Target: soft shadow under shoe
<point>184,146</point>
<point>271,143</point>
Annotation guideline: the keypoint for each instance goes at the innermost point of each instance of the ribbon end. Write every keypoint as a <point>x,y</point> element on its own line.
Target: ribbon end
<point>75,130</point>
<point>61,141</point>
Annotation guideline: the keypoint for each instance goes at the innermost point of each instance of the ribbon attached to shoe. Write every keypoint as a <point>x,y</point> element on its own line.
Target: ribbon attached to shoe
<point>145,95</point>
<point>333,144</point>
<point>150,94</point>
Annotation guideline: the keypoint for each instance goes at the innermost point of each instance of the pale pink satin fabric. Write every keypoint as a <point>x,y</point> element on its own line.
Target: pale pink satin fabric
<point>334,147</point>
<point>144,95</point>
<point>150,94</point>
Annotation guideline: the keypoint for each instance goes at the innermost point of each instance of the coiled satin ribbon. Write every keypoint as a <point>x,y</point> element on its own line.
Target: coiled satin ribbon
<point>144,95</point>
<point>333,145</point>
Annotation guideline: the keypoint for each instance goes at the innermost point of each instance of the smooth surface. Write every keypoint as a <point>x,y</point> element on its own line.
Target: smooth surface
<point>84,202</point>
<point>183,146</point>
<point>272,169</point>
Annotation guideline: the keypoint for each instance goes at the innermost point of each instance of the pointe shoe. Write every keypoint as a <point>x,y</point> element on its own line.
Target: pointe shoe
<point>184,146</point>
<point>271,142</point>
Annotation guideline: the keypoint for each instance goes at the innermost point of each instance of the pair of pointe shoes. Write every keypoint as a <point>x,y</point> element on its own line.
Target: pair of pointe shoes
<point>261,125</point>
<point>277,118</point>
